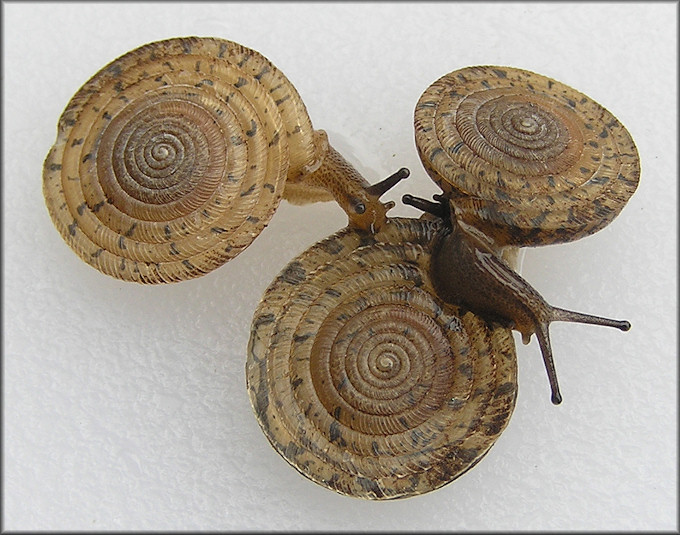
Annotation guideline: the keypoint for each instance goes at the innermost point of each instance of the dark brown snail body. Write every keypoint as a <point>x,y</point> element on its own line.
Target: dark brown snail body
<point>171,159</point>
<point>466,270</point>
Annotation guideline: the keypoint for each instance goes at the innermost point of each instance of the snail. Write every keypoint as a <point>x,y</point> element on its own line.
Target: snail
<point>523,160</point>
<point>531,160</point>
<point>466,270</point>
<point>171,159</point>
<point>367,382</point>
<point>358,347</point>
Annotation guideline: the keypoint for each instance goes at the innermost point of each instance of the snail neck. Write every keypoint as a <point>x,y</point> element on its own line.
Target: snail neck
<point>332,177</point>
<point>467,272</point>
<point>468,269</point>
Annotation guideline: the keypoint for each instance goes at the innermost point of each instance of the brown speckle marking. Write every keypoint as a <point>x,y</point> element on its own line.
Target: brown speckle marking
<point>264,71</point>
<point>253,129</point>
<point>294,273</point>
<point>280,101</point>
<point>334,432</point>
<point>249,190</point>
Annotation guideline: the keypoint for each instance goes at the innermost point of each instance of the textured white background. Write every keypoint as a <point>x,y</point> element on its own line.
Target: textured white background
<point>125,406</point>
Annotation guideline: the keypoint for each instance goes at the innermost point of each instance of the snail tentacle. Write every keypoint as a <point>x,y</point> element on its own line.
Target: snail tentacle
<point>437,209</point>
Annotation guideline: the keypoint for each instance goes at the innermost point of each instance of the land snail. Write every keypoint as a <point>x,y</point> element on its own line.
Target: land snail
<point>381,362</point>
<point>382,366</point>
<point>171,159</point>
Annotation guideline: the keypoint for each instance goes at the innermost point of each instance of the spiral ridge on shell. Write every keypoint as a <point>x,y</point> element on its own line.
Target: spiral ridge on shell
<point>364,380</point>
<point>535,161</point>
<point>171,159</point>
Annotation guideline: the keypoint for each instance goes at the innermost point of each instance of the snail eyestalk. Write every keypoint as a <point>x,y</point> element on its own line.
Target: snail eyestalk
<point>546,352</point>
<point>333,177</point>
<point>437,209</point>
<point>560,314</point>
<point>382,187</point>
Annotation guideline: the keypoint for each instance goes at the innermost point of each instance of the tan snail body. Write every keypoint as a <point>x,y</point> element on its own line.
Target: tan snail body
<point>172,159</point>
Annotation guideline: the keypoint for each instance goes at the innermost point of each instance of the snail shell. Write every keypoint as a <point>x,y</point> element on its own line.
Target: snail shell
<point>364,380</point>
<point>535,161</point>
<point>172,159</point>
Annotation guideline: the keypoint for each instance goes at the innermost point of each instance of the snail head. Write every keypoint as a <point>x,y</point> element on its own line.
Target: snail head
<point>330,171</point>
<point>453,208</point>
<point>363,206</point>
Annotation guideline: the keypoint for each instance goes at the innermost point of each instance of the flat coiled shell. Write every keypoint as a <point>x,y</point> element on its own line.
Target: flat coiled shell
<point>171,159</point>
<point>364,380</point>
<point>540,162</point>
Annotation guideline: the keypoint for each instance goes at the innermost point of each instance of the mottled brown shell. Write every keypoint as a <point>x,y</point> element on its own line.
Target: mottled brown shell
<point>536,161</point>
<point>171,159</point>
<point>364,380</point>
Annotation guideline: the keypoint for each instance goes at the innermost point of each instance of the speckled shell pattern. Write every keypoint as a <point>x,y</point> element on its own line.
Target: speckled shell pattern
<point>171,159</point>
<point>536,161</point>
<point>364,380</point>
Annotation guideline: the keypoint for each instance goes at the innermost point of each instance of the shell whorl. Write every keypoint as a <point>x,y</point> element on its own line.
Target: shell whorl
<point>171,159</point>
<point>364,380</point>
<point>535,161</point>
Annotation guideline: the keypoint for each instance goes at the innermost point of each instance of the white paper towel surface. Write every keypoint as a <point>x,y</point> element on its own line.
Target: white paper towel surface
<point>125,406</point>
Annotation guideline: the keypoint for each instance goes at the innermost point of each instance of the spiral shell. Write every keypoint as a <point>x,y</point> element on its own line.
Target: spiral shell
<point>364,380</point>
<point>171,159</point>
<point>536,161</point>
